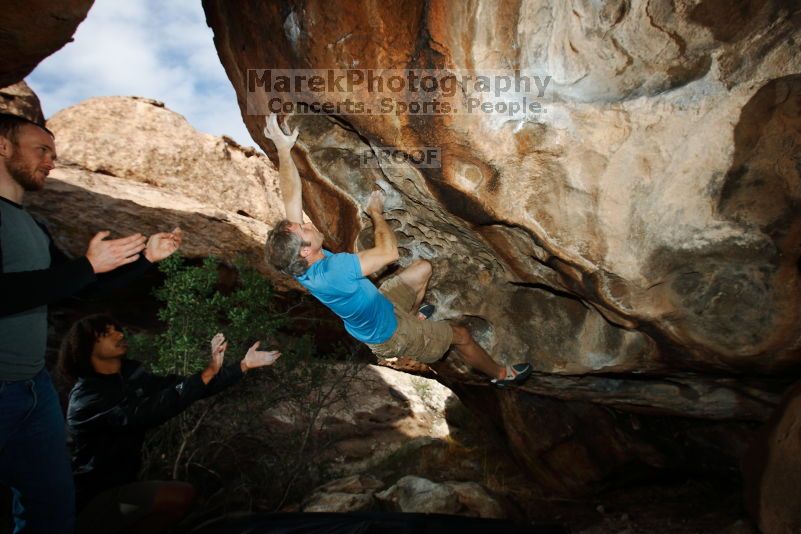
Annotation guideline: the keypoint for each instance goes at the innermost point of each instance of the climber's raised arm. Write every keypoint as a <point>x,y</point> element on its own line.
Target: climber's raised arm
<point>385,250</point>
<point>289,179</point>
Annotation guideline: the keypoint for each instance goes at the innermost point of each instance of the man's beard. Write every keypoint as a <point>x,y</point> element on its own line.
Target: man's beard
<point>21,175</point>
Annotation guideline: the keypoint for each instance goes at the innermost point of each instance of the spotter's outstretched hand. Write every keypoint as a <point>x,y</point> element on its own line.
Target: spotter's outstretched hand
<point>259,358</point>
<point>106,256</point>
<point>218,346</point>
<point>163,244</point>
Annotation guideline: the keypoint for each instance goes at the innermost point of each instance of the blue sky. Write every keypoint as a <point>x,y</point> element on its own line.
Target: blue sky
<point>155,49</point>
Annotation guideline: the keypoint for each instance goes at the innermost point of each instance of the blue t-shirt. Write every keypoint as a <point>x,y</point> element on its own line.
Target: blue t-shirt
<point>337,281</point>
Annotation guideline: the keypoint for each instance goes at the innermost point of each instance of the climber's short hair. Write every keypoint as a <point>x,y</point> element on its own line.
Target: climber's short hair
<point>11,124</point>
<point>282,249</point>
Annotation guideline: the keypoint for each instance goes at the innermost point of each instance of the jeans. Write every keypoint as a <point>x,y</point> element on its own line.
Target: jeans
<point>34,460</point>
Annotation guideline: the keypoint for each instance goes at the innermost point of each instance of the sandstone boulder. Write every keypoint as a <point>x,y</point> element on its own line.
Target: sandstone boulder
<point>131,165</point>
<point>19,99</point>
<point>413,494</point>
<point>139,140</point>
<point>637,242</point>
<point>630,194</point>
<point>349,494</point>
<point>419,495</point>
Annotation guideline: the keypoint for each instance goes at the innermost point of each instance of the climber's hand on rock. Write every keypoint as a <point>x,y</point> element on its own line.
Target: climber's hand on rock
<point>275,133</point>
<point>376,202</point>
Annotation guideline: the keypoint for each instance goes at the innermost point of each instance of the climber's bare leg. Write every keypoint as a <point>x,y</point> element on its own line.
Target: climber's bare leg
<point>472,353</point>
<point>416,277</point>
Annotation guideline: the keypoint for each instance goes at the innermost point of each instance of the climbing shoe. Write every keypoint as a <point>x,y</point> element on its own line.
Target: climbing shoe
<point>515,374</point>
<point>426,310</point>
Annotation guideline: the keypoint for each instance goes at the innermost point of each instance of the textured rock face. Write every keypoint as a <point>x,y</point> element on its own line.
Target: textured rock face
<point>383,411</point>
<point>634,193</point>
<point>647,224</point>
<point>420,495</point>
<point>350,494</point>
<point>30,31</point>
<point>19,99</point>
<point>130,165</point>
<point>413,494</point>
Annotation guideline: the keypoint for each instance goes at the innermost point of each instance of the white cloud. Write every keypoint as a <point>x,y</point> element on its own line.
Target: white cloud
<point>160,50</point>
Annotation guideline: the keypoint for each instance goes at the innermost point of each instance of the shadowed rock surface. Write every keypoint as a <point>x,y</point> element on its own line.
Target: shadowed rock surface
<point>77,203</point>
<point>638,243</point>
<point>381,412</point>
<point>32,30</point>
<point>772,469</point>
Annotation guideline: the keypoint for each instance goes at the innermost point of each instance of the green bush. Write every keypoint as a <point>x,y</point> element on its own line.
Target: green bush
<point>194,309</point>
<point>219,444</point>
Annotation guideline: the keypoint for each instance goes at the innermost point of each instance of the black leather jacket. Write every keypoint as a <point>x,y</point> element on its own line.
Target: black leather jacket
<point>108,415</point>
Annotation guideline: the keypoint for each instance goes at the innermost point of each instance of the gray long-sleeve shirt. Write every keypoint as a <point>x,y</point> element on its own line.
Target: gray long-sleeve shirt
<point>33,274</point>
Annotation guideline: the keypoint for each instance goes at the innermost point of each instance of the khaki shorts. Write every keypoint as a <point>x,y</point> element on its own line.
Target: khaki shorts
<point>424,341</point>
